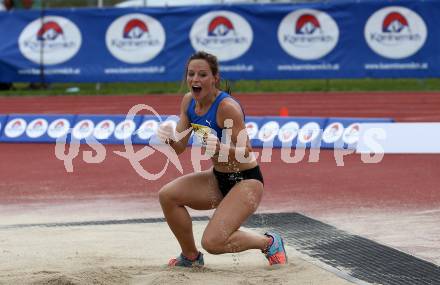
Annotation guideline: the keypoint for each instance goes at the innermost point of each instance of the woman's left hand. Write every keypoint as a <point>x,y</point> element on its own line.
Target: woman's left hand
<point>212,145</point>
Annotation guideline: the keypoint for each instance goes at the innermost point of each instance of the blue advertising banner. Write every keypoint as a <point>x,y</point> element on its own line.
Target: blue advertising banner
<point>147,129</point>
<point>106,129</point>
<point>146,133</point>
<point>345,132</point>
<point>290,132</point>
<point>42,128</point>
<point>337,39</point>
<point>270,131</point>
<point>3,119</point>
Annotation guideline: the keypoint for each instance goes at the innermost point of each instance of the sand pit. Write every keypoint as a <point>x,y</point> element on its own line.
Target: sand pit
<point>135,254</point>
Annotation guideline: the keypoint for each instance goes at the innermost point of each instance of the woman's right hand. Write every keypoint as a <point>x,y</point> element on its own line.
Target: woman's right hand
<point>165,132</point>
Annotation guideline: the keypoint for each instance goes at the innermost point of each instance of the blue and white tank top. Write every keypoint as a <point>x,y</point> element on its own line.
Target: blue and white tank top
<point>206,123</point>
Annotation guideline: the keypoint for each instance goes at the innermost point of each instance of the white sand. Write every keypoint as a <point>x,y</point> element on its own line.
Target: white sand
<point>135,254</point>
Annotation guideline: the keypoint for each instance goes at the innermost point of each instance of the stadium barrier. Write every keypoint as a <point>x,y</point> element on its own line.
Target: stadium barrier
<point>269,131</point>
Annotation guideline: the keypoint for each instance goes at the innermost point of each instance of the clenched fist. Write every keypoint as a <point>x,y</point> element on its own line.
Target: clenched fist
<point>166,132</point>
<point>212,144</point>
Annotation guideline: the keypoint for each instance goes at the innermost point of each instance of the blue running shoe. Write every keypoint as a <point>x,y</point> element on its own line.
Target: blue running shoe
<point>183,261</point>
<point>275,253</point>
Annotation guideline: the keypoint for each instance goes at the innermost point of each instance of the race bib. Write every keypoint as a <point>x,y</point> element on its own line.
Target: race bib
<point>201,132</point>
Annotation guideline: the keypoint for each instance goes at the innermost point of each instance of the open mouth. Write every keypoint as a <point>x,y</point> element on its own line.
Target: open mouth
<point>196,88</point>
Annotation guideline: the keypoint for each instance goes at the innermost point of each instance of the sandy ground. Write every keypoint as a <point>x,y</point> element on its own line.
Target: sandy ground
<point>414,231</point>
<point>135,254</point>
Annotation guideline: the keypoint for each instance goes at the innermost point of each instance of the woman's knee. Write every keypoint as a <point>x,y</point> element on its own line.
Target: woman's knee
<point>166,194</point>
<point>213,244</point>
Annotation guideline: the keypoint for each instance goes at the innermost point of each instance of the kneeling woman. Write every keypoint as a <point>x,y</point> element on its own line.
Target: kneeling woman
<point>232,187</point>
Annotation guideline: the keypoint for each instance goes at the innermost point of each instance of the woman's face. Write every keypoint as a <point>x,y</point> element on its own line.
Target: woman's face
<point>200,80</point>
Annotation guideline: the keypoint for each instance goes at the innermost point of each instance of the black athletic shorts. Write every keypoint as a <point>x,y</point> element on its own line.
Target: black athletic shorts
<point>227,180</point>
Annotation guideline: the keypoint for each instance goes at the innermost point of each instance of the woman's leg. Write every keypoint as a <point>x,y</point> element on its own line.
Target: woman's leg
<point>222,234</point>
<point>196,190</point>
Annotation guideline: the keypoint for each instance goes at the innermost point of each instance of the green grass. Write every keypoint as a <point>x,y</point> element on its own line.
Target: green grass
<point>355,85</point>
<point>358,85</point>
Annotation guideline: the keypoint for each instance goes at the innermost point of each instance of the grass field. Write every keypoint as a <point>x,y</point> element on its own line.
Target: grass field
<point>358,85</point>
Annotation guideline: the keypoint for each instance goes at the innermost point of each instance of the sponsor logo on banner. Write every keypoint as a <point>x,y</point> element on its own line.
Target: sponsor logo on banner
<point>57,38</point>
<point>288,132</point>
<point>15,128</point>
<point>147,129</point>
<point>268,131</point>
<point>251,129</point>
<point>36,128</point>
<point>308,34</point>
<point>83,129</point>
<point>395,32</point>
<point>125,129</point>
<point>223,33</point>
<point>333,132</point>
<point>104,129</point>
<point>351,133</point>
<point>58,128</point>
<point>309,132</point>
<point>135,38</point>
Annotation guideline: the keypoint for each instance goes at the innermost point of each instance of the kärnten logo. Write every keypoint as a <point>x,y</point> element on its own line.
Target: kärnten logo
<point>309,132</point>
<point>395,32</point>
<point>223,33</point>
<point>50,40</point>
<point>351,134</point>
<point>252,130</point>
<point>135,38</point>
<point>125,129</point>
<point>308,34</point>
<point>288,132</point>
<point>268,131</point>
<point>104,129</point>
<point>37,128</point>
<point>147,129</point>
<point>15,127</point>
<point>83,129</point>
<point>58,128</point>
<point>333,132</point>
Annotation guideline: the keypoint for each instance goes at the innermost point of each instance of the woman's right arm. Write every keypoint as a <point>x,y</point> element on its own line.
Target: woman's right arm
<point>183,128</point>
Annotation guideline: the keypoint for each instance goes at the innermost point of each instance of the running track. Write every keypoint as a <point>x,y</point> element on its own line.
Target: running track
<point>30,173</point>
